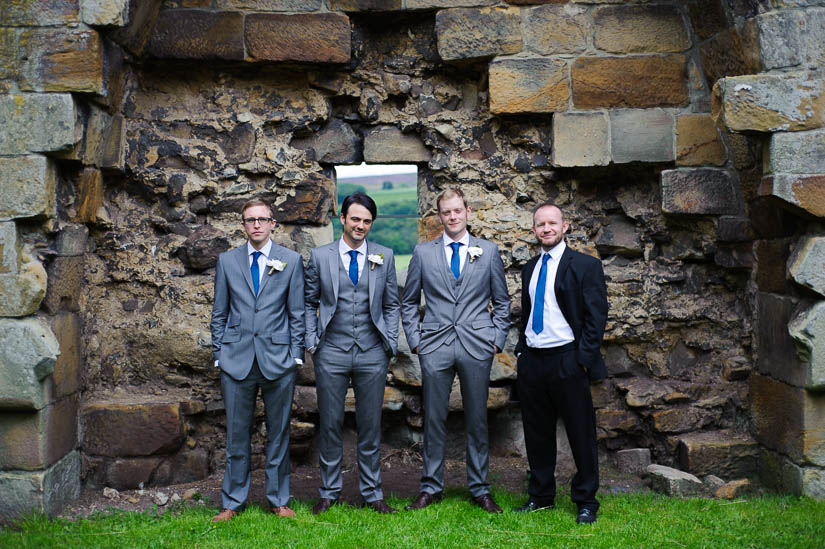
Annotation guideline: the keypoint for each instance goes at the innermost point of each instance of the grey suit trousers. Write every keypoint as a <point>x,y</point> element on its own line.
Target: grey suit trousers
<point>438,370</point>
<point>368,370</point>
<point>239,398</point>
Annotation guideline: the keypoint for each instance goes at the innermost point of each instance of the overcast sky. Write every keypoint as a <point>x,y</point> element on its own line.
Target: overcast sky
<point>345,172</point>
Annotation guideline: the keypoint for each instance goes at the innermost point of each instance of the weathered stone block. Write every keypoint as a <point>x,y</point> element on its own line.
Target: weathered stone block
<point>405,366</point>
<point>672,482</point>
<point>706,16</point>
<point>497,397</point>
<point>336,143</point>
<point>803,191</point>
<point>797,152</point>
<point>734,489</point>
<point>72,240</point>
<point>507,433</point>
<point>808,331</point>
<point>387,144</point>
<point>135,35</point>
<point>312,201</point>
<point>36,123</point>
<point>429,4</point>
<point>732,228</point>
<point>393,399</point>
<point>776,353</point>
<point>22,292</point>
<point>477,33</point>
<point>60,60</point>
<point>634,460</point>
<point>28,187</point>
<point>201,249</point>
<point>788,419</point>
<point>523,85</point>
<point>116,430</point>
<point>305,401</point>
<point>366,5</point>
<point>67,370</point>
<point>316,38</point>
<point>65,276</point>
<point>611,423</point>
<point>9,248</point>
<point>130,473</point>
<point>732,52</point>
<point>807,263</point>
<point>196,34</point>
<point>22,13</point>
<point>703,191</point>
<point>555,29</point>
<point>639,29</point>
<point>35,440</point>
<point>89,195</point>
<point>780,38</point>
<point>581,139</point>
<point>28,352</point>
<point>633,81</point>
<point>680,420</point>
<point>771,257</point>
<point>769,102</point>
<point>641,135</point>
<point>270,5</point>
<point>102,13</point>
<point>619,237</point>
<point>723,453</point>
<point>41,491</point>
<point>8,53</point>
<point>698,141</point>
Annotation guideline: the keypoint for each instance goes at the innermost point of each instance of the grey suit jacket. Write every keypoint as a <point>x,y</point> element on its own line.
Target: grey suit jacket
<point>269,326</point>
<point>321,295</point>
<point>456,309</point>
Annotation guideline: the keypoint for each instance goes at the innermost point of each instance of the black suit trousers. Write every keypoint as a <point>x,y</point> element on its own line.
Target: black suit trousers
<point>552,385</point>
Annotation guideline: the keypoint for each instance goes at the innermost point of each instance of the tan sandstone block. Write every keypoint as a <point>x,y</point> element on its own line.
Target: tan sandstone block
<point>581,139</point>
<point>35,440</point>
<point>698,141</point>
<point>555,29</point>
<point>476,33</point>
<point>636,81</point>
<point>639,29</point>
<point>804,191</point>
<point>59,60</point>
<point>315,38</point>
<point>528,85</point>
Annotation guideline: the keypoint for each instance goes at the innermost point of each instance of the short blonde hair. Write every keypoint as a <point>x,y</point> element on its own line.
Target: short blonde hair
<point>257,201</point>
<point>446,194</point>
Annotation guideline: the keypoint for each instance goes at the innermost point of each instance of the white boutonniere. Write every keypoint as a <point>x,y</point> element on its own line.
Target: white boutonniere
<point>275,265</point>
<point>474,252</point>
<point>375,259</point>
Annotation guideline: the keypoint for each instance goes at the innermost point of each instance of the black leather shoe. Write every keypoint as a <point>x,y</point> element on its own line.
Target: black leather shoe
<point>424,499</point>
<point>380,506</point>
<point>531,506</point>
<point>487,503</point>
<point>323,505</point>
<point>586,516</point>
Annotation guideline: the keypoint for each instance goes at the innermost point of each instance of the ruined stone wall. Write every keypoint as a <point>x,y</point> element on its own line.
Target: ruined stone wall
<point>181,111</point>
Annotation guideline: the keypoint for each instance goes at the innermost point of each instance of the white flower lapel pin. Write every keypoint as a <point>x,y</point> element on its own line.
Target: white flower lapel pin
<point>275,265</point>
<point>474,252</point>
<point>375,259</point>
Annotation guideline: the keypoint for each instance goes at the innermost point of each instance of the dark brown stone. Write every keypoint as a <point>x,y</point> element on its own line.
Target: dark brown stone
<point>609,423</point>
<point>735,229</point>
<point>67,370</point>
<point>196,34</point>
<point>633,81</point>
<point>775,350</point>
<point>707,17</point>
<point>136,34</point>
<point>734,256</point>
<point>706,191</point>
<point>366,5</point>
<point>65,278</point>
<point>35,440</point>
<point>335,143</point>
<point>477,33</point>
<point>201,249</point>
<point>771,257</point>
<point>240,144</point>
<point>20,13</point>
<point>733,52</point>
<point>89,195</point>
<point>305,401</point>
<point>682,419</point>
<point>131,429</point>
<point>130,473</point>
<point>312,202</point>
<point>316,38</point>
<point>722,453</point>
<point>189,466</point>
<point>619,237</point>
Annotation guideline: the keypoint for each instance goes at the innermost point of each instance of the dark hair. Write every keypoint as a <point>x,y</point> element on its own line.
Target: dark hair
<point>362,200</point>
<point>258,202</point>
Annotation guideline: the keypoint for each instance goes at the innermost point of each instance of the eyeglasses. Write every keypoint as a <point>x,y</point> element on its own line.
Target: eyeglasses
<point>253,220</point>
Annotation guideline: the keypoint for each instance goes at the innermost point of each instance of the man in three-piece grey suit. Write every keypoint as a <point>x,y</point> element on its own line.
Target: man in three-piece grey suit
<point>352,330</point>
<point>459,275</point>
<point>258,341</point>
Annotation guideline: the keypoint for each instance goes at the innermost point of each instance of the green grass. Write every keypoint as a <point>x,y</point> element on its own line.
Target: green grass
<point>627,520</point>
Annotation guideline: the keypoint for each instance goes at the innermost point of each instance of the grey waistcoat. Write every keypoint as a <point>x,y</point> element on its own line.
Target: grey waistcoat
<point>351,324</point>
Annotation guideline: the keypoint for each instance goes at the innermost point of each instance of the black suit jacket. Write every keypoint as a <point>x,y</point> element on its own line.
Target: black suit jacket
<point>582,296</point>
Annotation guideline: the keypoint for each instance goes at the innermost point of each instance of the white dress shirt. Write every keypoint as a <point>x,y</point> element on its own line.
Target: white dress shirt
<point>344,250</point>
<point>556,330</point>
<point>262,259</point>
<point>462,250</point>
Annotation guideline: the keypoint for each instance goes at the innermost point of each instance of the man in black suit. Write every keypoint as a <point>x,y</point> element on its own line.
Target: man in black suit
<point>563,315</point>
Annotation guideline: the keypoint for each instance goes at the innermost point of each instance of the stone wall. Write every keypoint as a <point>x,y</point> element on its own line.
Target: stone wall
<point>136,130</point>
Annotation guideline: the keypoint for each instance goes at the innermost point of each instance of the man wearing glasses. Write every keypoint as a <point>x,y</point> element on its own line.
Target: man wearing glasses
<point>257,338</point>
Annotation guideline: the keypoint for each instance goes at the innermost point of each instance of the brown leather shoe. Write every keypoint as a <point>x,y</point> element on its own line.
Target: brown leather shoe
<point>380,506</point>
<point>323,505</point>
<point>424,499</point>
<point>283,511</point>
<point>487,503</point>
<point>225,516</point>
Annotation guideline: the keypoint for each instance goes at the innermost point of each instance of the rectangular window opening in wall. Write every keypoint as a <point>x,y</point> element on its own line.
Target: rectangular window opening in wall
<point>394,188</point>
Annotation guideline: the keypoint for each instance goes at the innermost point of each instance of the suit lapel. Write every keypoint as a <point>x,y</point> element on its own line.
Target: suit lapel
<point>564,263</point>
<point>332,262</point>
<point>469,267</point>
<point>370,273</point>
<point>274,253</point>
<point>443,268</point>
<point>243,262</point>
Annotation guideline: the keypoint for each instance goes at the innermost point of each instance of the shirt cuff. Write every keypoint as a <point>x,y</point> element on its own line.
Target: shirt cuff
<point>217,365</point>
<point>299,362</point>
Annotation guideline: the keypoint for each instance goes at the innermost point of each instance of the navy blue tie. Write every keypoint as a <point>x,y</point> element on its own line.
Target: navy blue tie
<point>353,267</point>
<point>538,302</point>
<point>256,271</point>
<point>455,262</point>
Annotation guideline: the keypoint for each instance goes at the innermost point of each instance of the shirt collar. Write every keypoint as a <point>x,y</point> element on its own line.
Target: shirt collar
<point>556,251</point>
<point>344,248</point>
<point>464,239</point>
<point>265,250</point>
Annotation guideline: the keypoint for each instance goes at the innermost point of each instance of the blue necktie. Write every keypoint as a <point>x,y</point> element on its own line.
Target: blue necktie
<point>455,263</point>
<point>353,267</point>
<point>256,271</point>
<point>538,302</point>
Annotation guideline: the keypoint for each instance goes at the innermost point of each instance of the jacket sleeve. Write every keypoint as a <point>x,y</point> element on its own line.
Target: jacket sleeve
<point>220,307</point>
<point>500,297</point>
<point>312,299</point>
<point>295,310</point>
<point>411,300</point>
<point>594,319</point>
<point>391,304</point>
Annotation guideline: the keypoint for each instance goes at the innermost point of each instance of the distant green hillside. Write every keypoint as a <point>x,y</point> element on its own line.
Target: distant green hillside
<point>400,234</point>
